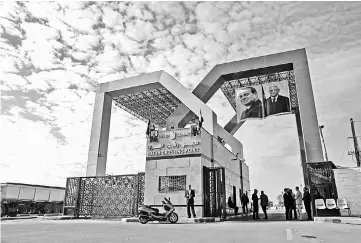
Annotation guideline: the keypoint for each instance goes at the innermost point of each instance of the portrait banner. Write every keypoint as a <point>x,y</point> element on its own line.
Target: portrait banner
<point>277,98</point>
<point>249,102</point>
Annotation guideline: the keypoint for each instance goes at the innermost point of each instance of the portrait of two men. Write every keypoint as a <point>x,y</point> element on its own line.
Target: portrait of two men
<point>260,101</point>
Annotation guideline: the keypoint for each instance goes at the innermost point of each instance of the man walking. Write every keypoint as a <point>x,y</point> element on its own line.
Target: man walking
<point>298,203</point>
<point>255,204</point>
<point>244,201</point>
<point>264,203</point>
<point>307,201</point>
<point>189,195</point>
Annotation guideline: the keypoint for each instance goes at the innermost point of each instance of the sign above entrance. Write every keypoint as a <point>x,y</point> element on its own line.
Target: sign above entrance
<point>174,142</point>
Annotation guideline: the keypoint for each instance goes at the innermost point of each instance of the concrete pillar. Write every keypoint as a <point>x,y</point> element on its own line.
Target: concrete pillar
<point>308,115</point>
<point>98,147</point>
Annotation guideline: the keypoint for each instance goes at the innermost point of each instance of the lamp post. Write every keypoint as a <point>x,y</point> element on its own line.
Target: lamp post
<point>241,171</point>
<point>323,141</point>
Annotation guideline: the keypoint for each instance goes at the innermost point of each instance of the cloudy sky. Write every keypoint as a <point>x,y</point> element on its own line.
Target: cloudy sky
<point>54,53</point>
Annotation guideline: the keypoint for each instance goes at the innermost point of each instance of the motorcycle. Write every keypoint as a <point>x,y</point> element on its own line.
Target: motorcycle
<point>147,213</point>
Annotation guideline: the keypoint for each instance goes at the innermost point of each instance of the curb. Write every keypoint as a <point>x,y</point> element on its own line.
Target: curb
<point>17,218</point>
<point>181,220</point>
<point>338,220</point>
<point>62,217</point>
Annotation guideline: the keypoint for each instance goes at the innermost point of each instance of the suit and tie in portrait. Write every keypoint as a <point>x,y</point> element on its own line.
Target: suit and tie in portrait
<point>252,106</point>
<point>276,103</point>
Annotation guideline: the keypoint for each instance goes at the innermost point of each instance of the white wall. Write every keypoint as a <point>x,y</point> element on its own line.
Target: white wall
<point>224,157</point>
<point>348,183</point>
<point>191,167</point>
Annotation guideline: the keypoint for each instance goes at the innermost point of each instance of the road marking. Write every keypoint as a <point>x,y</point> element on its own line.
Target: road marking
<point>289,234</point>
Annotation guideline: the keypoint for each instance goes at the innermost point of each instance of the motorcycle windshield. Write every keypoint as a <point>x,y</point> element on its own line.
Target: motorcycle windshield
<point>168,201</point>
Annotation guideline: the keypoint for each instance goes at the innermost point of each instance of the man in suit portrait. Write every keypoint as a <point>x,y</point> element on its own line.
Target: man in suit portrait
<point>276,103</point>
<point>189,195</point>
<point>249,98</point>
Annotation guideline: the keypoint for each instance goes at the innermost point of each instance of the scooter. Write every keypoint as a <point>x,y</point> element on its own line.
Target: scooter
<point>147,213</point>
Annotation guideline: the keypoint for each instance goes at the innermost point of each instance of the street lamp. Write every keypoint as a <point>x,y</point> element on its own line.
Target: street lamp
<point>323,141</point>
<point>241,170</point>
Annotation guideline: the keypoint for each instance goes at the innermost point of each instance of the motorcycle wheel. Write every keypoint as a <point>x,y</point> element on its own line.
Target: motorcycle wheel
<point>143,220</point>
<point>173,218</point>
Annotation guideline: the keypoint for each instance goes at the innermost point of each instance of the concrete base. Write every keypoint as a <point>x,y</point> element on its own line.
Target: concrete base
<point>338,220</point>
<point>17,218</point>
<point>181,220</point>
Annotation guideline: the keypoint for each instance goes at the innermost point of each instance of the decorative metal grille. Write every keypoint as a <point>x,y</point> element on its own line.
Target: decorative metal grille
<point>172,183</point>
<point>157,104</point>
<point>141,187</point>
<point>106,196</point>
<point>320,173</point>
<point>228,87</point>
<point>71,192</point>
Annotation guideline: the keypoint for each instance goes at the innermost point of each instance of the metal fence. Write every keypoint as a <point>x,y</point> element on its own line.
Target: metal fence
<point>104,196</point>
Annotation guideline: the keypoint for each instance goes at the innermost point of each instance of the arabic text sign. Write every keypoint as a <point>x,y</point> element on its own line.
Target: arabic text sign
<point>175,142</point>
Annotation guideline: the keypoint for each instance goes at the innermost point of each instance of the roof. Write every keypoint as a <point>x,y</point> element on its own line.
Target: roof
<point>32,185</point>
<point>155,104</point>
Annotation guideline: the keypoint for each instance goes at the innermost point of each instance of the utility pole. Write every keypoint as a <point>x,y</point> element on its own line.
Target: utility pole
<point>323,141</point>
<point>357,151</point>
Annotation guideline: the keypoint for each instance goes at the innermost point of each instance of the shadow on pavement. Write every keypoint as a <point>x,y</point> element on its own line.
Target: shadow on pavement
<point>272,217</point>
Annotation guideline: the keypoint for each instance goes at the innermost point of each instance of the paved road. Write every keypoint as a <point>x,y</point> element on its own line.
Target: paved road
<point>95,231</point>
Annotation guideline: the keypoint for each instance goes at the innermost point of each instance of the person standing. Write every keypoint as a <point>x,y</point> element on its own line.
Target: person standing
<point>255,204</point>
<point>287,202</point>
<point>189,195</point>
<point>299,203</point>
<point>244,201</point>
<point>264,203</point>
<point>293,205</point>
<point>307,202</point>
<point>232,205</point>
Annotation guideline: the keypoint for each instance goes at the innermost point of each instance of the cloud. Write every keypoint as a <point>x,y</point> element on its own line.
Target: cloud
<point>53,54</point>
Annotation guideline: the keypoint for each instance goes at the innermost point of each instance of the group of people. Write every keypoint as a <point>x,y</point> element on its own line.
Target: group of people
<point>293,202</point>
<point>264,204</point>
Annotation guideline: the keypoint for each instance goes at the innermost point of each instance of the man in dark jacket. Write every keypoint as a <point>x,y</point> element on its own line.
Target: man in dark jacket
<point>307,202</point>
<point>264,203</point>
<point>287,202</point>
<point>293,205</point>
<point>244,201</point>
<point>255,204</point>
<point>190,195</point>
<point>249,98</point>
<point>276,103</point>
<point>232,205</point>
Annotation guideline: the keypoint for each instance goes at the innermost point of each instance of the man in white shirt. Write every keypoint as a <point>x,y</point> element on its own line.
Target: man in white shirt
<point>298,198</point>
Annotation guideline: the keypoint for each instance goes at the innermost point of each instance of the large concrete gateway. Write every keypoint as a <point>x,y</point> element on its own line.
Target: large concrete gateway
<point>187,145</point>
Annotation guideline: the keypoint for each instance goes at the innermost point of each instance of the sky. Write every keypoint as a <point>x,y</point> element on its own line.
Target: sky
<point>53,54</point>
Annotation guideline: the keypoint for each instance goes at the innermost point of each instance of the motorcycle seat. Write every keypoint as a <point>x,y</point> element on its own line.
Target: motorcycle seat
<point>155,209</point>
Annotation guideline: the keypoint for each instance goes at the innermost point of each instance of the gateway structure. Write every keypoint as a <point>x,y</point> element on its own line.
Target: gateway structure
<point>176,156</point>
<point>180,153</point>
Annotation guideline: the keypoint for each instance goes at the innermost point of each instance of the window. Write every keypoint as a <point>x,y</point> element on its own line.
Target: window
<point>172,183</point>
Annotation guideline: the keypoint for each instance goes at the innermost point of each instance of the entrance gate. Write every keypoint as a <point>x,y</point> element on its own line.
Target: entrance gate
<point>322,182</point>
<point>214,188</point>
<point>105,196</point>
